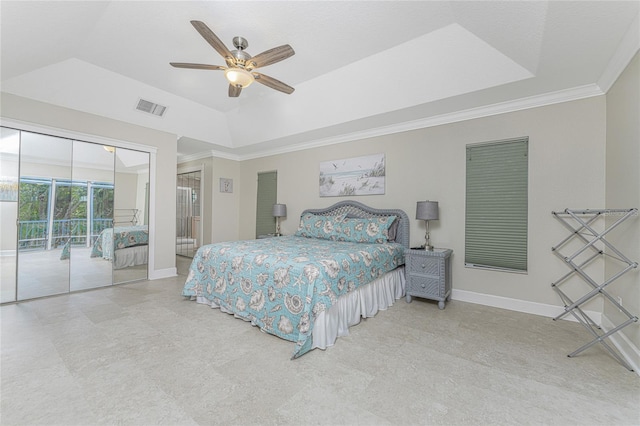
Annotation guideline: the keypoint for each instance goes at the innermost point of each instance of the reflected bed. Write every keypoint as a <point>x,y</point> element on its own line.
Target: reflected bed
<point>124,245</point>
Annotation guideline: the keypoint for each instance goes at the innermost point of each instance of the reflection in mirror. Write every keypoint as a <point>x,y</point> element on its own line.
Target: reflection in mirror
<point>92,194</point>
<point>130,232</point>
<point>44,210</point>
<point>188,226</point>
<point>9,151</point>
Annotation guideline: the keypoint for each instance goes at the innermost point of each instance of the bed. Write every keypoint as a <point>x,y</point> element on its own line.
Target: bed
<point>123,245</point>
<point>344,263</point>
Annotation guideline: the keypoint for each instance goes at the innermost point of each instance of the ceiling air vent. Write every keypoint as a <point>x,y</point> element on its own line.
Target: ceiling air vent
<point>151,108</point>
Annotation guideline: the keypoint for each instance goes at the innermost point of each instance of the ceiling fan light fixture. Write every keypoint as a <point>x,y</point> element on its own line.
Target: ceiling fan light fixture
<point>239,77</point>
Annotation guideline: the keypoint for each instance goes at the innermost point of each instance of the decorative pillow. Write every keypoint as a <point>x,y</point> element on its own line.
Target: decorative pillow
<point>393,230</point>
<point>370,230</point>
<point>316,226</point>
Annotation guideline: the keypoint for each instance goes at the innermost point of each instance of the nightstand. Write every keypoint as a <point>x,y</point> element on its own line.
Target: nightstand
<point>428,274</point>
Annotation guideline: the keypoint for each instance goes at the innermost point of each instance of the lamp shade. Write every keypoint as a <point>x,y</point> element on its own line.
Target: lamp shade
<point>279,210</point>
<point>427,210</point>
<point>238,77</point>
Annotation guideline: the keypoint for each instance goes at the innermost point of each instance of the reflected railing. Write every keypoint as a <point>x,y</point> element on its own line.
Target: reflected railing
<point>35,235</point>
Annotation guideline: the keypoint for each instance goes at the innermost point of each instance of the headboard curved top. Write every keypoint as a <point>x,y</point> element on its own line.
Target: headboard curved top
<point>356,209</point>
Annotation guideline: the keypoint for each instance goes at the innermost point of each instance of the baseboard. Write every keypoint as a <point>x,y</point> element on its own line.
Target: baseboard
<point>163,273</point>
<point>627,349</point>
<point>550,311</point>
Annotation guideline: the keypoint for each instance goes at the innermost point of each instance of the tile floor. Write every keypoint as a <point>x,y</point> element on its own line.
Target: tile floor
<point>140,354</point>
<point>42,273</point>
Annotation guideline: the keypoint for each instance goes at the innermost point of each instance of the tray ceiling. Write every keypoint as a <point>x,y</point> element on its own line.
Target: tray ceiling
<point>360,68</point>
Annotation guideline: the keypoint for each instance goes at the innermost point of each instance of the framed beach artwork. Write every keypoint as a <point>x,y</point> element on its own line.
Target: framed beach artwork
<point>353,176</point>
<point>8,188</point>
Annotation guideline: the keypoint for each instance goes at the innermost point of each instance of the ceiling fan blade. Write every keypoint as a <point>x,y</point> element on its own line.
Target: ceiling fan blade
<point>234,91</point>
<point>196,66</point>
<point>212,39</point>
<point>271,56</point>
<point>273,83</point>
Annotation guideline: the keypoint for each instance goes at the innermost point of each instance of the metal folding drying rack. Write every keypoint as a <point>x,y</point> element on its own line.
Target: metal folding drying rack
<point>594,241</point>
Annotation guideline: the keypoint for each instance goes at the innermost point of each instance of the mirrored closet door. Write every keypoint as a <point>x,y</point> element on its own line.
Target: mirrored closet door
<point>131,216</point>
<point>188,226</point>
<point>91,215</point>
<point>74,215</point>
<point>45,203</point>
<point>9,177</point>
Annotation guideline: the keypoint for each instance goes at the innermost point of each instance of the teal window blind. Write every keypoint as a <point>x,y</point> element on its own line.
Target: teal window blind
<point>497,205</point>
<point>267,196</point>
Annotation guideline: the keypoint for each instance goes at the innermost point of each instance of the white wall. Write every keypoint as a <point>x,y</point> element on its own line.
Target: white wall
<point>623,191</point>
<point>566,170</point>
<point>46,115</point>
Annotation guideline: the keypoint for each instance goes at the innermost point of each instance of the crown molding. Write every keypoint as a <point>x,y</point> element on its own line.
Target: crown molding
<point>208,154</point>
<point>625,52</point>
<point>567,95</point>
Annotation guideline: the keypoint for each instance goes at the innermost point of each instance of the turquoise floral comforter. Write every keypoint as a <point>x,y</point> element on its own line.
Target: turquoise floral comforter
<point>281,284</point>
<point>122,237</point>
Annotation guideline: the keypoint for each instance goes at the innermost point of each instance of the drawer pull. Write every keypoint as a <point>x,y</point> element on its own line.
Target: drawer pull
<point>424,265</point>
<point>423,285</point>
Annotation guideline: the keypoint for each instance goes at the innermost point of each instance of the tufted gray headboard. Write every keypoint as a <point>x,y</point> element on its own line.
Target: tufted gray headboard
<point>357,209</point>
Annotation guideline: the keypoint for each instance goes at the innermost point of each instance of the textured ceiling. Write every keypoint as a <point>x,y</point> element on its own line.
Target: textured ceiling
<point>359,67</point>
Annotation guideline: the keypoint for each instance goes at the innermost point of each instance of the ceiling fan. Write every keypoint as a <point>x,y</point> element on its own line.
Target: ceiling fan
<point>240,65</point>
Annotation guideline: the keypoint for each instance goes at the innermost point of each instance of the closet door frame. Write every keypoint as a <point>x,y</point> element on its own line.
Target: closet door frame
<point>84,137</point>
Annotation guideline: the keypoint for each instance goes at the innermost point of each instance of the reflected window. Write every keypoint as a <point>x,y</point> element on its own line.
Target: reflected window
<point>79,212</point>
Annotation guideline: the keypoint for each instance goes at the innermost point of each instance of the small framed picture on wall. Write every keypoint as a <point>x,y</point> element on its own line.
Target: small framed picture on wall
<point>226,185</point>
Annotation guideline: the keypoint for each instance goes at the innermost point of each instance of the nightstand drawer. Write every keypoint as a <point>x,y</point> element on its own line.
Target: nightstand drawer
<point>428,274</point>
<point>424,287</point>
<point>424,265</point>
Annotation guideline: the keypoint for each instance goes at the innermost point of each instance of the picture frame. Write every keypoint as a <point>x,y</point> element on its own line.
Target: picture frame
<point>8,189</point>
<point>226,185</point>
<point>353,176</point>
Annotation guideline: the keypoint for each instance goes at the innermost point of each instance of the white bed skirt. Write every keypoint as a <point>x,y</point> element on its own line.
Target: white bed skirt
<point>131,256</point>
<point>365,302</point>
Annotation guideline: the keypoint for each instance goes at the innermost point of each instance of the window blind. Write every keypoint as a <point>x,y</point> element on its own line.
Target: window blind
<point>497,205</point>
<point>267,196</point>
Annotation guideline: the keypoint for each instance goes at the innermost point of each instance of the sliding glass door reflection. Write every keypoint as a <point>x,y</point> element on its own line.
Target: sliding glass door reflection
<point>74,215</point>
<point>44,210</point>
<point>92,213</point>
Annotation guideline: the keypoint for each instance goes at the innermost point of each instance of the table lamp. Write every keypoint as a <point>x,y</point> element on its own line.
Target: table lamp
<point>279,210</point>
<point>427,210</point>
